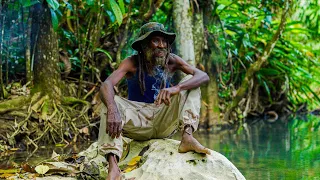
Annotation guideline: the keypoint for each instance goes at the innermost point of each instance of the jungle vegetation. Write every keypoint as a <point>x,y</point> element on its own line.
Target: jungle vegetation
<point>262,57</point>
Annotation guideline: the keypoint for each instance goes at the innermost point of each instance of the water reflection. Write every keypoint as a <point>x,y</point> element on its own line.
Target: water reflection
<point>282,150</point>
<point>279,150</point>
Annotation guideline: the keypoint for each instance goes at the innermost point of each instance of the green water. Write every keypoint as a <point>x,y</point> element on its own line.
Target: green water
<point>282,150</point>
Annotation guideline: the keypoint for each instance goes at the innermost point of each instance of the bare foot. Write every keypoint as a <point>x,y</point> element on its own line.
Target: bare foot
<point>114,172</point>
<point>189,143</point>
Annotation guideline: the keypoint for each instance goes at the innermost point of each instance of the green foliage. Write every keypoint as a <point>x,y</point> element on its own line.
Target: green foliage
<point>105,52</point>
<point>292,66</point>
<point>28,3</point>
<point>54,4</point>
<point>242,28</point>
<point>121,6</point>
<point>309,13</point>
<point>54,19</point>
<point>116,11</point>
<point>163,14</point>
<point>90,2</point>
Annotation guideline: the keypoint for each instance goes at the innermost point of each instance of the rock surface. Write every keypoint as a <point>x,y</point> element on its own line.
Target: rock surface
<point>159,159</point>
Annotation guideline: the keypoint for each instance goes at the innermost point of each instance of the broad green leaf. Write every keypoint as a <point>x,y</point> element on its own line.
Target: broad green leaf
<point>105,52</point>
<point>221,6</point>
<point>28,3</point>
<point>54,4</point>
<point>41,169</point>
<point>268,90</point>
<point>116,11</point>
<point>258,22</point>
<point>90,2</point>
<point>121,5</point>
<point>269,72</point>
<point>111,16</point>
<point>231,33</point>
<point>54,19</point>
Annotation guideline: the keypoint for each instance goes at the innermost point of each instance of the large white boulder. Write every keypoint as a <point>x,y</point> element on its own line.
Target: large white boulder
<point>159,159</point>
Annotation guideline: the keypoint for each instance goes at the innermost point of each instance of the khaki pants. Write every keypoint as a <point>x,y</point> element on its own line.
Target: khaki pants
<point>144,121</point>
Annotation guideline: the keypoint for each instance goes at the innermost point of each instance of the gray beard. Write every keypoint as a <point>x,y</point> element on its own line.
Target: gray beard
<point>154,61</point>
<point>160,61</point>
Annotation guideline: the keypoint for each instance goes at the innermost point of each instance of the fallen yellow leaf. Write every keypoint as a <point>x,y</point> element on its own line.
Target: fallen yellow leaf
<point>130,168</point>
<point>41,169</point>
<point>5,176</point>
<point>134,161</point>
<point>9,171</point>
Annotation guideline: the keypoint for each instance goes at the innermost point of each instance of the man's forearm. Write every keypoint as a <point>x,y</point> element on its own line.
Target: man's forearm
<point>196,81</point>
<point>107,96</point>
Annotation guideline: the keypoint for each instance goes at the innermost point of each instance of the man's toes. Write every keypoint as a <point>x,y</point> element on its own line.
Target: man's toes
<point>207,151</point>
<point>203,150</point>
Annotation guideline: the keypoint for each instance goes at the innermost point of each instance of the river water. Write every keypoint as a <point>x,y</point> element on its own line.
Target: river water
<point>267,151</point>
<point>286,149</point>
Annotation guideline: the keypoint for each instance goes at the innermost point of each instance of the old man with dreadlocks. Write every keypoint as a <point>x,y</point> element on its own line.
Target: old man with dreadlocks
<point>153,108</point>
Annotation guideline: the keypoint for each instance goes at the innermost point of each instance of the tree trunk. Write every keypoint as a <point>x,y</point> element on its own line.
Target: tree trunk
<point>46,57</point>
<point>1,52</point>
<point>210,107</point>
<point>199,44</point>
<point>182,18</point>
<point>198,34</point>
<point>241,92</point>
<point>27,43</point>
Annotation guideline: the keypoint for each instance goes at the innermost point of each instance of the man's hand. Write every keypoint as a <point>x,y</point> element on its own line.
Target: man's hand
<point>114,123</point>
<point>165,95</point>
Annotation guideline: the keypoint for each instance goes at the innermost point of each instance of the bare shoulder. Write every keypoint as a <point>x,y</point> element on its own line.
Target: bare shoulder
<point>128,65</point>
<point>173,58</point>
<point>176,61</point>
<point>126,68</point>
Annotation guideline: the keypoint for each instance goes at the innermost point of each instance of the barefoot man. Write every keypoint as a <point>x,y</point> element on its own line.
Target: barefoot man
<point>153,108</point>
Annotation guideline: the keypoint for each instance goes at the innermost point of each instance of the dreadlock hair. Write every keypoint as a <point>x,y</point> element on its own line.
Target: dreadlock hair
<point>143,66</point>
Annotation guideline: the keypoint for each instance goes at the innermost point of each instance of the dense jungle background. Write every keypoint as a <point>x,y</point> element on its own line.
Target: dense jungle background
<point>262,57</point>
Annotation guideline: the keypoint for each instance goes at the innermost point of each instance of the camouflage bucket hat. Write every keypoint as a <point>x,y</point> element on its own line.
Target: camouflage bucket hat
<point>150,28</point>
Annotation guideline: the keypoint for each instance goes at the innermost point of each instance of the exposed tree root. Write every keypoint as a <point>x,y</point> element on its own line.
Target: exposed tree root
<point>38,120</point>
<point>13,104</point>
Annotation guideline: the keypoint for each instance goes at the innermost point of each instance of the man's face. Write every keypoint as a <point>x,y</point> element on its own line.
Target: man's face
<point>156,50</point>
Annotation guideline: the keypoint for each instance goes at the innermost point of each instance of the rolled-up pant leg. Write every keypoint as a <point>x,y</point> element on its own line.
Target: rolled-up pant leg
<point>105,142</point>
<point>137,124</point>
<point>183,111</point>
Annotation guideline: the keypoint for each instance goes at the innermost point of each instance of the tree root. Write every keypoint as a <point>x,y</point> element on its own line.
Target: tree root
<point>39,120</point>
<point>13,104</point>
